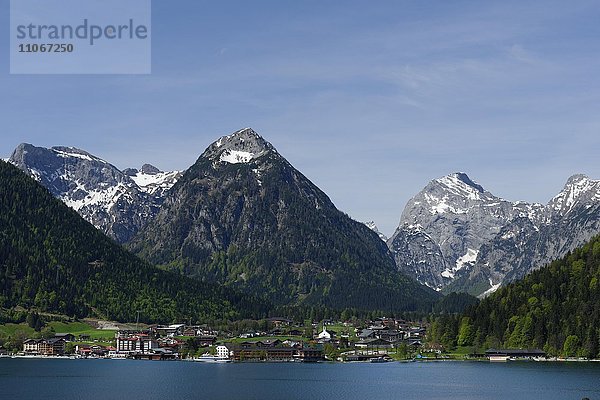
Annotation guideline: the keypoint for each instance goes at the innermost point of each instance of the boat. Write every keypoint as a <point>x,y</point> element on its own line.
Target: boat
<point>211,359</point>
<point>379,360</point>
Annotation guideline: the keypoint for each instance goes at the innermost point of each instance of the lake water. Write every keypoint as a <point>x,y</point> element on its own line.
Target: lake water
<point>125,379</point>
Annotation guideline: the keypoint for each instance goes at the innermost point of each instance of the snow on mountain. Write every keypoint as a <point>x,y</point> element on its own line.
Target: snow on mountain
<point>153,181</point>
<point>279,234</point>
<point>371,225</point>
<point>484,240</point>
<point>236,156</point>
<point>446,211</point>
<point>239,148</point>
<point>102,194</point>
<point>466,259</point>
<point>578,189</point>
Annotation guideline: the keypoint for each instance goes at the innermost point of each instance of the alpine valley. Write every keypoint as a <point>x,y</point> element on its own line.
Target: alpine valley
<point>242,216</point>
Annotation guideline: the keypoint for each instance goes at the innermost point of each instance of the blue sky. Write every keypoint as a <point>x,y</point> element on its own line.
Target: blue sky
<point>370,100</point>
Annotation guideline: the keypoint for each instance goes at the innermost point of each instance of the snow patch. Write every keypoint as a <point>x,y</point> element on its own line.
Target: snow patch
<point>236,156</point>
<point>440,206</point>
<point>152,183</point>
<point>458,187</point>
<point>65,154</point>
<point>575,188</point>
<point>447,274</point>
<point>469,258</point>
<point>491,290</point>
<point>104,199</point>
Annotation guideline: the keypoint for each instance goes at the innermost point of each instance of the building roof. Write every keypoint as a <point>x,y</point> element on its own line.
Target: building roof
<point>53,340</point>
<point>379,328</point>
<point>366,333</point>
<point>281,319</point>
<point>268,342</point>
<point>374,341</point>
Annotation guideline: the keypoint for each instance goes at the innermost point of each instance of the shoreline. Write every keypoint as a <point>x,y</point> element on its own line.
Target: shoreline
<point>66,357</point>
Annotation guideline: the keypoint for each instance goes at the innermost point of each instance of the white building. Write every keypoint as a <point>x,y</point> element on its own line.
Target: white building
<point>222,352</point>
<point>135,342</point>
<point>325,334</point>
<point>31,346</point>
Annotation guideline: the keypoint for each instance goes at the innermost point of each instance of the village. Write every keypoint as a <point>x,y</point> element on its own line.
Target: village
<point>379,340</point>
<point>376,341</point>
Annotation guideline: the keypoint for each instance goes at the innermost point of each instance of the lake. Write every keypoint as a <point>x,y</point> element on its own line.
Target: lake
<point>125,379</point>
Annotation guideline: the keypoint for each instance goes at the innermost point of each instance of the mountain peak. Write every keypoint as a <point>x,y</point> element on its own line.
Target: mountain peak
<point>459,182</point>
<point>577,185</point>
<point>372,226</point>
<point>578,188</point>
<point>65,152</point>
<point>577,179</point>
<point>239,147</point>
<point>25,154</point>
<point>150,169</point>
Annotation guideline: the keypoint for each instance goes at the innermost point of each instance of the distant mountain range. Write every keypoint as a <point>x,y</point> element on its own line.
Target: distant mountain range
<point>242,215</point>
<point>456,236</point>
<point>117,202</point>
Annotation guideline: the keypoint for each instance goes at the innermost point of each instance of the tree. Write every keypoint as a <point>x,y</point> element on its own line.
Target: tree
<point>571,346</point>
<point>34,321</point>
<point>346,315</point>
<point>48,332</point>
<point>466,332</point>
<point>331,352</point>
<point>69,348</point>
<point>402,351</point>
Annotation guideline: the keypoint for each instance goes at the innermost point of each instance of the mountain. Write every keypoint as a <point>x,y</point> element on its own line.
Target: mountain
<point>153,181</point>
<point>118,203</point>
<point>244,217</point>
<point>54,261</point>
<point>569,220</point>
<point>456,236</point>
<point>444,226</point>
<point>371,225</point>
<point>556,308</point>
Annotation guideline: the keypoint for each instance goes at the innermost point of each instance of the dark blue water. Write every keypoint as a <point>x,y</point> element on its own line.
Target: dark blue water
<point>108,379</point>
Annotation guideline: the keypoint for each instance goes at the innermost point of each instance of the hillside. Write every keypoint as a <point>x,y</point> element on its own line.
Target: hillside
<point>52,260</point>
<point>244,217</point>
<point>556,308</point>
